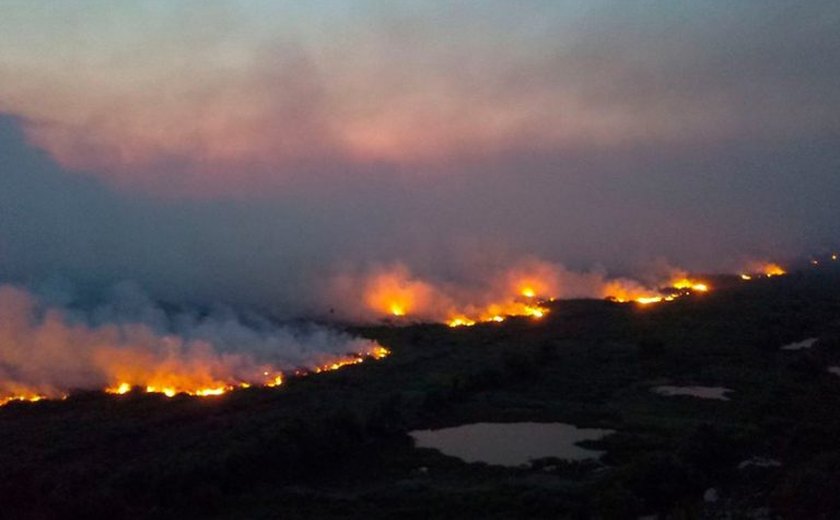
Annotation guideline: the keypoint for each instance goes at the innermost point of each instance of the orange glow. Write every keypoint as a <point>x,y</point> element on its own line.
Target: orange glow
<point>183,386</point>
<point>120,389</point>
<point>623,291</point>
<point>647,300</point>
<point>30,398</point>
<point>460,321</point>
<point>379,352</point>
<point>522,290</point>
<point>770,270</point>
<point>764,270</point>
<point>394,292</point>
<point>275,381</point>
<point>690,284</point>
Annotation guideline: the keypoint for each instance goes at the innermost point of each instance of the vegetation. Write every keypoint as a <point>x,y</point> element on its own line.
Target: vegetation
<point>335,445</point>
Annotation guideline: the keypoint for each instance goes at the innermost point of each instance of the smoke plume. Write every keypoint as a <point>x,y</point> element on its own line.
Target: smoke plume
<point>49,350</point>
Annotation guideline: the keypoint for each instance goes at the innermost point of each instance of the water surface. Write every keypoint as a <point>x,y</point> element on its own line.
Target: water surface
<point>511,444</point>
<point>800,345</point>
<point>703,392</point>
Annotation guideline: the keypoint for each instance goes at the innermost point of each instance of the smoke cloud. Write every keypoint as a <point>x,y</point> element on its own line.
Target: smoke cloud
<point>292,158</point>
<point>49,350</point>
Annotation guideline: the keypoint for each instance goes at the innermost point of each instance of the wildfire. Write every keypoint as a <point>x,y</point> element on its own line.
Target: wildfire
<point>499,312</point>
<point>647,300</point>
<point>271,379</point>
<point>461,321</point>
<point>773,270</point>
<point>689,284</point>
<point>521,290</point>
<point>120,389</point>
<point>32,398</point>
<point>765,270</point>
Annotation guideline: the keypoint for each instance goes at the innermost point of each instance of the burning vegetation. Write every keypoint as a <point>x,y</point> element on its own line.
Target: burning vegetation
<point>174,384</point>
<point>763,270</point>
<point>48,352</point>
<point>395,294</point>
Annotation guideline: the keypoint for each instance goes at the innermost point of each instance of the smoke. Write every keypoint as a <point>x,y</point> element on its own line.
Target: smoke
<point>47,349</point>
<point>394,291</point>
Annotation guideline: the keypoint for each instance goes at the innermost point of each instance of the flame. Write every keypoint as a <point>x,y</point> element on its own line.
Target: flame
<point>771,269</point>
<point>271,379</point>
<point>460,321</point>
<point>625,291</point>
<point>647,300</point>
<point>521,290</point>
<point>528,292</point>
<point>690,284</point>
<point>120,389</point>
<point>124,358</point>
<point>395,292</point>
<point>31,398</point>
<point>763,270</point>
<point>499,312</point>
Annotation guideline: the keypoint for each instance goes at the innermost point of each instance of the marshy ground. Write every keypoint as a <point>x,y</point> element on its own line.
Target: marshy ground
<point>336,445</point>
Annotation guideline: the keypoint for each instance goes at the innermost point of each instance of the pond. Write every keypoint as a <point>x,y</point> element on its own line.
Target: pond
<point>703,392</point>
<point>511,444</point>
<point>801,345</point>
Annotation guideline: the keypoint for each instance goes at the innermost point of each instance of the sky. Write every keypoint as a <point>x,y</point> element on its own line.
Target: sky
<point>248,151</point>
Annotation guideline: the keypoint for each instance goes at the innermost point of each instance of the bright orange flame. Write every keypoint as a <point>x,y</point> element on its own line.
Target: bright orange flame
<point>773,270</point>
<point>690,284</point>
<point>379,352</point>
<point>460,321</point>
<point>122,388</point>
<point>275,381</point>
<point>395,292</point>
<point>647,300</point>
<point>171,390</point>
<point>31,398</point>
<point>623,291</point>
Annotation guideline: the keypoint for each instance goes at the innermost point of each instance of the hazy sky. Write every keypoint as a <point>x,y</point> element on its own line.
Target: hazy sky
<point>240,150</point>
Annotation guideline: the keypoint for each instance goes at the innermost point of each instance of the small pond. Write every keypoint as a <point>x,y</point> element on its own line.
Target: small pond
<point>800,345</point>
<point>510,444</point>
<point>703,392</point>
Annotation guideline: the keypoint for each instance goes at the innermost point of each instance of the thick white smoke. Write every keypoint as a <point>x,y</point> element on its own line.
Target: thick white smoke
<point>48,349</point>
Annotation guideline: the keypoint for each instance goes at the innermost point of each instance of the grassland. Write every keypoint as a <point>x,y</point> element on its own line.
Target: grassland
<point>335,445</point>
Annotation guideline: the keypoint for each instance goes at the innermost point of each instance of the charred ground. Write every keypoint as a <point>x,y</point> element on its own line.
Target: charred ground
<point>335,445</point>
